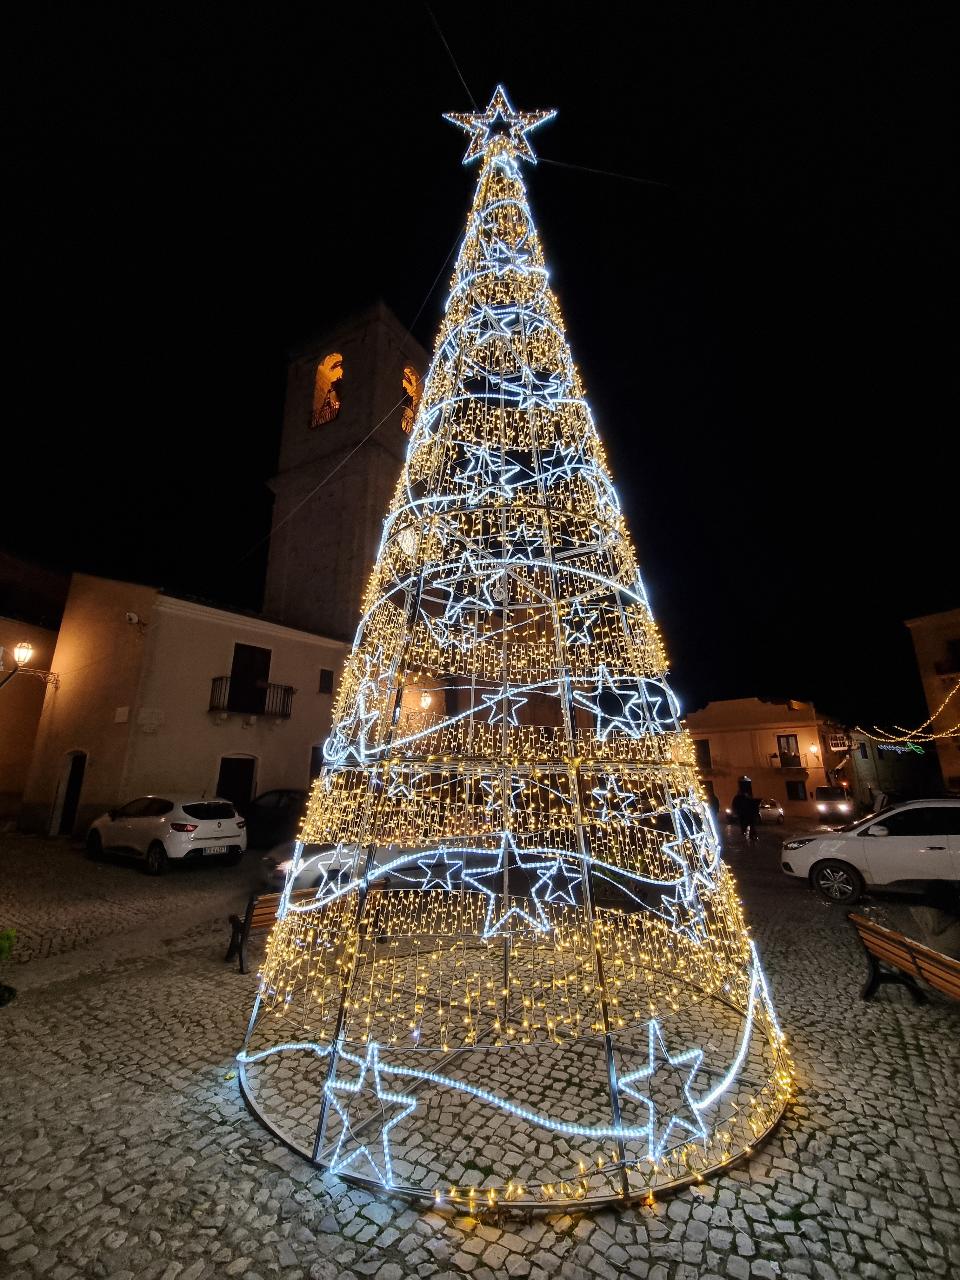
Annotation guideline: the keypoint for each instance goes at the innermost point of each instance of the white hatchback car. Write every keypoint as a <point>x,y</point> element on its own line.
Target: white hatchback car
<point>165,828</point>
<point>904,847</point>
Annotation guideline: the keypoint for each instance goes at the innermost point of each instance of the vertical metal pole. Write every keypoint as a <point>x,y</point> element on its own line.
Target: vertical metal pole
<point>342,1011</point>
<point>576,797</point>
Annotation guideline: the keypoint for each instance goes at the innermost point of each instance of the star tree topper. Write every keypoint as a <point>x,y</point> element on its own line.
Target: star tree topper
<point>499,120</point>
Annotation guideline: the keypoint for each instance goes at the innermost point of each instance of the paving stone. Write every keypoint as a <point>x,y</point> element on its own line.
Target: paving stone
<point>157,1172</point>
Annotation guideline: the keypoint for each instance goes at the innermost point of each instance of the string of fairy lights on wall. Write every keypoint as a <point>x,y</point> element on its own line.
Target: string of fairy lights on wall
<point>510,842</point>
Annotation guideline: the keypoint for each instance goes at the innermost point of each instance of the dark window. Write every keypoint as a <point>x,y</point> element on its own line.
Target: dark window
<point>209,810</point>
<point>952,663</point>
<point>249,677</point>
<point>862,748</point>
<point>326,681</point>
<point>933,820</point>
<point>945,820</point>
<point>702,748</point>
<point>796,791</point>
<point>830,793</point>
<point>136,808</point>
<point>787,744</point>
<point>159,808</point>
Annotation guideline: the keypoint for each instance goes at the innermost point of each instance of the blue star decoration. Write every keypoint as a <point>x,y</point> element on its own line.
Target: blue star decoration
<point>499,120</point>
<point>562,882</point>
<point>564,462</point>
<point>509,857</point>
<point>502,705</point>
<point>440,870</point>
<point>487,474</point>
<point>665,1075</point>
<point>613,800</point>
<point>502,257</point>
<point>368,1087</point>
<point>615,709</point>
<point>492,789</point>
<point>578,624</point>
<point>472,582</point>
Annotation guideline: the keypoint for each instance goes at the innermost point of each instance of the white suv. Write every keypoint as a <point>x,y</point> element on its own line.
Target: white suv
<point>161,828</point>
<point>904,847</point>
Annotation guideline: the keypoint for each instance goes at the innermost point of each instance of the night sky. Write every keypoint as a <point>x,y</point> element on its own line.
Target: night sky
<point>764,326</point>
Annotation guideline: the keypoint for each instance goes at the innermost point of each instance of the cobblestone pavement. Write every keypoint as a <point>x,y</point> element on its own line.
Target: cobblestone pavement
<point>57,900</point>
<point>125,1150</point>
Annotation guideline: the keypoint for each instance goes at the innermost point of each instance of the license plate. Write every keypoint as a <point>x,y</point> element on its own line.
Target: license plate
<point>216,848</point>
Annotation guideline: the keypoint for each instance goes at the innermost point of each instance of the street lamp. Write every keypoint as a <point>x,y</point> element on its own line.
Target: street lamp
<point>22,653</point>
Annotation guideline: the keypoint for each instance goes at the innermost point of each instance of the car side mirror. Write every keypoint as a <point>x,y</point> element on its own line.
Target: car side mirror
<point>878,830</point>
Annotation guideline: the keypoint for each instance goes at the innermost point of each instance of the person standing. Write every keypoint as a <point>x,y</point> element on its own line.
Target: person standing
<point>746,809</point>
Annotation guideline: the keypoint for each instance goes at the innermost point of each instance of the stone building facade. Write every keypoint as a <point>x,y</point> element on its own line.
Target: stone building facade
<point>785,749</point>
<point>350,397</point>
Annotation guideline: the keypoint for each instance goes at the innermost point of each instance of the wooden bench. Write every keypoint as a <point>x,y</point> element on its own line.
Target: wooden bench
<point>893,957</point>
<point>260,914</point>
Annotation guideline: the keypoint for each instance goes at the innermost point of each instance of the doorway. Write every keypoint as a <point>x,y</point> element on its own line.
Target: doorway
<point>71,786</point>
<point>235,780</point>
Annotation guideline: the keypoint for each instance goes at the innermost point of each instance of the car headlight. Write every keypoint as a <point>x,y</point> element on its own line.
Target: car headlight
<point>798,844</point>
<point>822,808</point>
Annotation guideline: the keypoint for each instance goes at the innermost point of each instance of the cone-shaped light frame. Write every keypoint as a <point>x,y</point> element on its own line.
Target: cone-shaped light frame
<point>521,973</point>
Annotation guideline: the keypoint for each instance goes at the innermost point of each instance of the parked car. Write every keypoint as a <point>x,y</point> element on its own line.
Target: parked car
<point>164,829</point>
<point>833,804</point>
<point>274,816</point>
<point>320,863</point>
<point>770,811</point>
<point>905,847</point>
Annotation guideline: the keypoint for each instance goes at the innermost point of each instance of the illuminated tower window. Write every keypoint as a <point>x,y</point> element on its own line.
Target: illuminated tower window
<point>413,386</point>
<point>326,399</point>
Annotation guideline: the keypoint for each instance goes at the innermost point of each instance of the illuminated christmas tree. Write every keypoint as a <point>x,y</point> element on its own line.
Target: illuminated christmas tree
<point>524,975</point>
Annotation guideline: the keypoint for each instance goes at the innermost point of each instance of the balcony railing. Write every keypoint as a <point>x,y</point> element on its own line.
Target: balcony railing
<point>788,760</point>
<point>273,700</point>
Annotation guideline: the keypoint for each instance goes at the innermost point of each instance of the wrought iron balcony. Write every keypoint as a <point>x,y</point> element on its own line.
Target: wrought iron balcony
<point>788,760</point>
<point>272,700</point>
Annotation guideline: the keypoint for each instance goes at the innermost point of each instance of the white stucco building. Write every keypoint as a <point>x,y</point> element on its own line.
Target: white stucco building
<point>159,693</point>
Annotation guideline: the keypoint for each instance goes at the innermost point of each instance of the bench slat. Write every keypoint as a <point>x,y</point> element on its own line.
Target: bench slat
<point>910,957</point>
<point>898,956</point>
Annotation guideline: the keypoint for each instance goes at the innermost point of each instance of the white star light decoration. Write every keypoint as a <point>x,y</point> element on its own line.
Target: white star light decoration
<point>510,857</point>
<point>578,624</point>
<point>615,709</point>
<point>440,870</point>
<point>639,1085</point>
<point>498,120</point>
<point>502,705</point>
<point>614,801</point>
<point>377,1152</point>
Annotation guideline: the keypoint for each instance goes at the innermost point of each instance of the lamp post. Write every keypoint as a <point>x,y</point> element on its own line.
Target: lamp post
<point>22,653</point>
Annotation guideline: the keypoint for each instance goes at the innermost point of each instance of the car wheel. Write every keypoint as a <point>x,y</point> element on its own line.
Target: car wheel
<point>94,845</point>
<point>780,820</point>
<point>157,860</point>
<point>838,882</point>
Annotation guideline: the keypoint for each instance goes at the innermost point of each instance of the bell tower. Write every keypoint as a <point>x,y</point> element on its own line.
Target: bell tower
<point>351,396</point>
